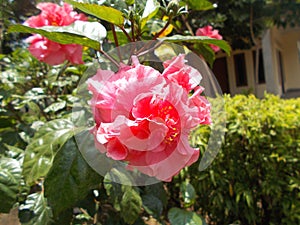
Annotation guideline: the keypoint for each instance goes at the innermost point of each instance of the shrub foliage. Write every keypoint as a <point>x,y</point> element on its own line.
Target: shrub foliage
<point>253,180</point>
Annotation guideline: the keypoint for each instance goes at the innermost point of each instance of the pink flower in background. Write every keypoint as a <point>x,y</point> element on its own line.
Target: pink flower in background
<point>48,51</point>
<point>210,32</point>
<point>144,117</point>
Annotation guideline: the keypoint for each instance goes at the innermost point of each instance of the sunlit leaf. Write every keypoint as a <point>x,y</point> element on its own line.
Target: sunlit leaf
<point>188,194</point>
<point>59,37</point>
<point>150,10</point>
<point>199,39</point>
<point>10,178</point>
<point>35,210</point>
<point>199,5</point>
<point>40,153</point>
<point>131,205</point>
<point>56,106</point>
<point>92,30</point>
<point>106,13</point>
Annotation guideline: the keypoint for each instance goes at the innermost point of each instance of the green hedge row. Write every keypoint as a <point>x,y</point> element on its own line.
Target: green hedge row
<point>255,178</point>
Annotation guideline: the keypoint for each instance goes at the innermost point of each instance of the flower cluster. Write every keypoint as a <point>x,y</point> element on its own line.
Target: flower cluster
<point>144,117</point>
<point>212,33</point>
<point>48,51</point>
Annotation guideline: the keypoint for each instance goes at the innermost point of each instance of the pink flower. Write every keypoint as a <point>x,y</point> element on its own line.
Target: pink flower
<point>210,32</point>
<point>144,117</point>
<point>48,51</point>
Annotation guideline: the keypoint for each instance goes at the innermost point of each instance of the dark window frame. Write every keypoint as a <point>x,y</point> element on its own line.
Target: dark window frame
<point>241,79</point>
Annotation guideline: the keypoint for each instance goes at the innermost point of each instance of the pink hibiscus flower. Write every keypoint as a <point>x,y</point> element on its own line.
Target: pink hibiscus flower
<point>48,51</point>
<point>144,117</point>
<point>212,33</point>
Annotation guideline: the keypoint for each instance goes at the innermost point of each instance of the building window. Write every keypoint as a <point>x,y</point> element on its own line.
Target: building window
<point>261,79</point>
<point>221,72</point>
<point>240,70</point>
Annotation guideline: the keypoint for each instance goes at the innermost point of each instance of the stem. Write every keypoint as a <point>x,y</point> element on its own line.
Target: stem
<point>126,33</point>
<point>116,41</point>
<point>109,58</point>
<point>63,69</point>
<point>132,30</point>
<point>161,31</point>
<point>114,34</point>
<point>187,25</point>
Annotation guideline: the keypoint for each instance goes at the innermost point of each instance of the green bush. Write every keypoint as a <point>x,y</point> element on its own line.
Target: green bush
<point>255,178</point>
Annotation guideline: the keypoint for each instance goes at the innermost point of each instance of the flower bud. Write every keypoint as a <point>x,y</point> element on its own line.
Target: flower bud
<point>172,8</point>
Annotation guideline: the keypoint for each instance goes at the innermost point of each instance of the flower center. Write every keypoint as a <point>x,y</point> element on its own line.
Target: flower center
<point>159,110</point>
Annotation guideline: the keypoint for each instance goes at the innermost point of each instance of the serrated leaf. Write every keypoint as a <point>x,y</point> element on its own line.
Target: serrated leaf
<point>188,194</point>
<point>178,216</point>
<point>10,178</point>
<point>37,207</point>
<point>131,205</point>
<point>48,140</point>
<point>199,39</point>
<point>59,37</point>
<point>151,8</point>
<point>106,13</point>
<point>71,175</point>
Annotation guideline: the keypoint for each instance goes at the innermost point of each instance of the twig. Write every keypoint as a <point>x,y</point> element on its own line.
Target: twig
<point>109,58</point>
<point>116,41</point>
<point>126,33</point>
<point>187,25</point>
<point>132,30</point>
<point>162,30</point>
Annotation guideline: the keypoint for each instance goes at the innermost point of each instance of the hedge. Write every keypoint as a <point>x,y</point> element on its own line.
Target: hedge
<point>255,177</point>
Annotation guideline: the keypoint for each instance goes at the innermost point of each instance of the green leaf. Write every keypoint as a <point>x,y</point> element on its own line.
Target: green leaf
<point>199,5</point>
<point>40,153</point>
<point>10,178</point>
<point>158,191</point>
<point>188,194</point>
<point>131,205</point>
<point>120,35</point>
<point>206,51</point>
<point>56,106</point>
<point>115,190</point>
<point>35,210</point>
<point>92,30</point>
<point>178,216</point>
<point>199,39</point>
<point>152,205</point>
<point>129,2</point>
<point>106,13</point>
<point>71,175</point>
<point>151,9</point>
<point>59,37</point>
